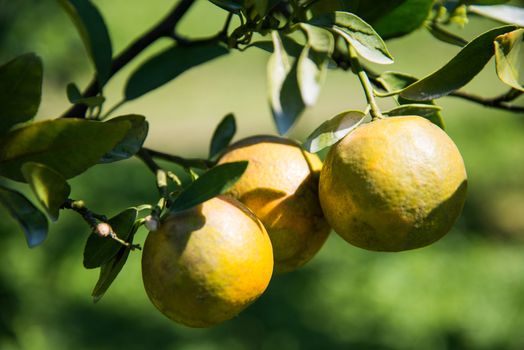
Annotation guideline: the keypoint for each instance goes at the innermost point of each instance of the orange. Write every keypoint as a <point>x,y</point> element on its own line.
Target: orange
<point>280,186</point>
<point>206,264</point>
<point>393,184</point>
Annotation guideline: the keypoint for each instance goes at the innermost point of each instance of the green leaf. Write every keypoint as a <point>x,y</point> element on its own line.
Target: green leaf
<point>502,13</point>
<point>222,136</point>
<point>93,31</point>
<point>509,58</point>
<point>457,72</point>
<point>69,146</point>
<point>445,36</point>
<point>75,97</point>
<point>332,130</point>
<point>229,5</point>
<point>390,18</point>
<point>32,220</point>
<point>313,62</point>
<point>293,48</point>
<point>132,141</point>
<point>50,188</point>
<point>20,90</point>
<point>394,82</point>
<point>215,181</point>
<point>358,34</point>
<point>167,65</point>
<point>419,109</point>
<point>100,250</point>
<point>284,94</point>
<point>109,272</point>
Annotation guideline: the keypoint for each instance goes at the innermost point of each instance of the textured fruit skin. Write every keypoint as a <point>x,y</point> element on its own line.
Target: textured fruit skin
<point>393,184</point>
<point>280,186</point>
<point>206,264</point>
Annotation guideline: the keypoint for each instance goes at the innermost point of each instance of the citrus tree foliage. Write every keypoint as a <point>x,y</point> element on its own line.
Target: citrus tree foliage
<point>305,39</point>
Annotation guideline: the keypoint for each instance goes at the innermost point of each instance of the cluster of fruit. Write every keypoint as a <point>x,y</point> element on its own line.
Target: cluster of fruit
<point>392,184</point>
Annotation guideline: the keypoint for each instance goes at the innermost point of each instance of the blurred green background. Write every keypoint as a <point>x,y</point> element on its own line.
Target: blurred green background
<point>464,292</point>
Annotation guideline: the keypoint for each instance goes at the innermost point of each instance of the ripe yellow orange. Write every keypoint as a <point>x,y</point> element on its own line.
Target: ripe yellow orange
<point>206,264</point>
<point>393,184</point>
<point>280,186</point>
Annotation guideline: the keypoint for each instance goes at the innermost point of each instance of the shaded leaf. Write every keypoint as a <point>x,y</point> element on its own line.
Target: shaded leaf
<point>50,188</point>
<point>358,34</point>
<point>458,71</point>
<point>167,65</point>
<point>20,90</point>
<point>69,146</point>
<point>419,109</point>
<point>92,28</point>
<point>74,96</point>
<point>32,220</point>
<point>132,141</point>
<point>229,5</point>
<point>284,93</point>
<point>509,58</point>
<point>109,272</point>
<point>445,36</point>
<point>222,136</point>
<point>332,130</point>
<point>210,184</point>
<point>313,62</point>
<point>100,250</point>
<point>293,48</point>
<point>394,82</point>
<point>502,13</point>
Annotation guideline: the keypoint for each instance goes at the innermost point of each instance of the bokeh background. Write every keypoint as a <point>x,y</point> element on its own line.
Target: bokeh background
<point>464,292</point>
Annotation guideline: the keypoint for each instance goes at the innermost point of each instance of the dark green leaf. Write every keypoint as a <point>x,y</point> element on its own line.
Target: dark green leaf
<point>167,65</point>
<point>74,96</point>
<point>457,72</point>
<point>109,272</point>
<point>483,2</point>
<point>132,141</point>
<point>284,93</point>
<point>332,130</point>
<point>445,36</point>
<point>229,5</point>
<point>390,18</point>
<point>92,28</point>
<point>419,109</point>
<point>69,146</point>
<point>32,220</point>
<point>100,250</point>
<point>222,136</point>
<point>20,90</point>
<point>502,13</point>
<point>50,188</point>
<point>358,34</point>
<point>394,82</point>
<point>509,58</point>
<point>215,181</point>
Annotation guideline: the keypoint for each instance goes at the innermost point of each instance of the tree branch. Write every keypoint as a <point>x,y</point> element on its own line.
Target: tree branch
<point>499,102</point>
<point>164,28</point>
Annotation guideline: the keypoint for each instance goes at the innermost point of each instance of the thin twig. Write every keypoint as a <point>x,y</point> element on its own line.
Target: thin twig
<point>164,28</point>
<point>499,102</point>
<point>184,162</point>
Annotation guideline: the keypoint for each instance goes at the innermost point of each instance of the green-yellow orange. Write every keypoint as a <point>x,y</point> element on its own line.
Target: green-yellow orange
<point>393,184</point>
<point>206,264</point>
<point>280,185</point>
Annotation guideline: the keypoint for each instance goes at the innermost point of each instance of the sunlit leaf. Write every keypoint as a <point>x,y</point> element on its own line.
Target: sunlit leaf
<point>419,109</point>
<point>459,70</point>
<point>509,58</point>
<point>167,65</point>
<point>215,181</point>
<point>92,28</point>
<point>69,146</point>
<point>222,136</point>
<point>20,90</point>
<point>32,220</point>
<point>132,141</point>
<point>502,13</point>
<point>100,250</point>
<point>332,130</point>
<point>50,188</point>
<point>357,33</point>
